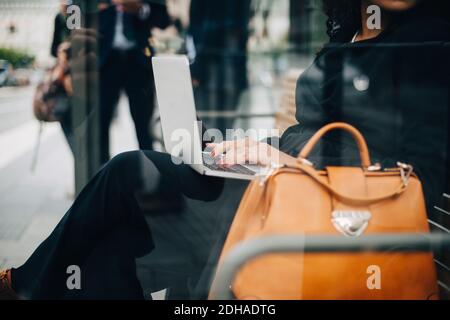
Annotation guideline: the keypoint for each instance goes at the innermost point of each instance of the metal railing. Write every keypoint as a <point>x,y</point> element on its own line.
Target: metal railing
<point>252,249</point>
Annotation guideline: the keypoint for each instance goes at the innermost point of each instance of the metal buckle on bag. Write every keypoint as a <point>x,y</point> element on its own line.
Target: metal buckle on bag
<point>405,172</point>
<point>351,223</point>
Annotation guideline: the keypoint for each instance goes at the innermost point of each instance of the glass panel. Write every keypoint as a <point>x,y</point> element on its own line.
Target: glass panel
<point>113,114</point>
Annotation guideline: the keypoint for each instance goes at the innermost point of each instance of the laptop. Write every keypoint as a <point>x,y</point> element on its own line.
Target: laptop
<point>181,129</point>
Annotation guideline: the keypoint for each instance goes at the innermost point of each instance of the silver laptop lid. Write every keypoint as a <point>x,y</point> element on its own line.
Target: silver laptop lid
<point>181,131</point>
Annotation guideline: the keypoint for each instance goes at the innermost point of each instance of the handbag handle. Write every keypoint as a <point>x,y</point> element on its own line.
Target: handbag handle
<point>361,142</point>
<point>401,188</point>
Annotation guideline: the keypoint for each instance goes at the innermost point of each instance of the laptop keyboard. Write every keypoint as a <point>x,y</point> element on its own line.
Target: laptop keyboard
<point>209,162</point>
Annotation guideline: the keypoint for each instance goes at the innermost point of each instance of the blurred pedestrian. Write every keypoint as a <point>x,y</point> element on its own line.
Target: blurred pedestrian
<point>124,30</point>
<point>218,33</point>
<point>61,33</point>
<point>51,101</point>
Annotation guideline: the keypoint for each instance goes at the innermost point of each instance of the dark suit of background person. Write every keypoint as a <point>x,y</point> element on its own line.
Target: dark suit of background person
<point>219,30</point>
<point>125,65</point>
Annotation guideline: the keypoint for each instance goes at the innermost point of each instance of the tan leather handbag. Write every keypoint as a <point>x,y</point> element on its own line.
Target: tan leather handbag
<point>347,201</point>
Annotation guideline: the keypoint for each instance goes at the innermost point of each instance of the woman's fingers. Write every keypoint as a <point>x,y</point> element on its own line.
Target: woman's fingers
<point>246,155</point>
<point>242,152</point>
<point>233,157</point>
<point>226,146</point>
<point>220,148</point>
<point>214,148</point>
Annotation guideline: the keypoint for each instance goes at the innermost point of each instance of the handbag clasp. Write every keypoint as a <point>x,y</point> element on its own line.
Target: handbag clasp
<point>351,223</point>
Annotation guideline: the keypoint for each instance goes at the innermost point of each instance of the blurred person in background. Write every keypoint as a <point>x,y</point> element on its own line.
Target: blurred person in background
<point>61,33</point>
<point>51,101</point>
<point>124,58</point>
<point>218,36</point>
<point>62,78</point>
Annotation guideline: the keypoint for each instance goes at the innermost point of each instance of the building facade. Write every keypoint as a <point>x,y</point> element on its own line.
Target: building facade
<point>28,25</point>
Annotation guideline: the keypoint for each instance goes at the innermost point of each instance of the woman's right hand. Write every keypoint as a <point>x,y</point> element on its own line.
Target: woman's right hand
<point>249,151</point>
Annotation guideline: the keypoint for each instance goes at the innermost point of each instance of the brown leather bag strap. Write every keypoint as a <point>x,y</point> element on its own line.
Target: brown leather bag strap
<point>361,142</point>
<point>346,198</point>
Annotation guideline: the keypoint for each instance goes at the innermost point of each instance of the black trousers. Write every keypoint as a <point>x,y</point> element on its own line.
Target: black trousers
<point>129,71</point>
<point>105,231</point>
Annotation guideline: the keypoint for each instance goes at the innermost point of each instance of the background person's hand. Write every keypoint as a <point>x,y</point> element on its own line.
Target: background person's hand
<point>128,6</point>
<point>102,6</point>
<point>195,83</point>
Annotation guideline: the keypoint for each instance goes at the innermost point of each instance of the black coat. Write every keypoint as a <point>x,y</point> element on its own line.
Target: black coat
<point>403,114</point>
<point>60,33</point>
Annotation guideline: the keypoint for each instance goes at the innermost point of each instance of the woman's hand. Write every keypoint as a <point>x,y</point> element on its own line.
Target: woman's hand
<point>248,151</point>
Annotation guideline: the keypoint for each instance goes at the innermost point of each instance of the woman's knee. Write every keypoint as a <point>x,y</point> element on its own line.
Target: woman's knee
<point>124,160</point>
<point>125,166</point>
<point>136,169</point>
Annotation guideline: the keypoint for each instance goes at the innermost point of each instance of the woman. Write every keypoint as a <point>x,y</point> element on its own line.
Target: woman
<point>391,83</point>
<point>52,97</point>
<point>60,32</point>
<point>62,80</point>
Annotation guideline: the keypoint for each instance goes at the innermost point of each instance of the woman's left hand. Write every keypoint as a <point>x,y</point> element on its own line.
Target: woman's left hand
<point>248,151</point>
